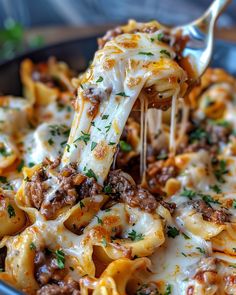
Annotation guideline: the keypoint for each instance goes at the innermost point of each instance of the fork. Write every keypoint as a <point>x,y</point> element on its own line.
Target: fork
<point>200,35</point>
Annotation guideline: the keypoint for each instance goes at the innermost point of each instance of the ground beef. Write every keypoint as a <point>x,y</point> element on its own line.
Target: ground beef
<point>111,34</point>
<point>210,137</point>
<point>135,196</point>
<point>147,289</point>
<point>169,206</point>
<point>46,268</point>
<point>210,214</point>
<point>89,188</point>
<point>158,173</point>
<point>122,188</point>
<point>35,188</point>
<point>52,164</point>
<point>73,186</point>
<point>62,288</point>
<point>95,98</point>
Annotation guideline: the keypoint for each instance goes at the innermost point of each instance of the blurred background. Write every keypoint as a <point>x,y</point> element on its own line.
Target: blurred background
<point>28,24</point>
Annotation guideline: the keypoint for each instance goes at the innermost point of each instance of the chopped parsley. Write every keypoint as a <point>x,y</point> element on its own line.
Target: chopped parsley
<point>67,148</point>
<point>59,130</point>
<point>172,232</point>
<point>122,94</point>
<point>188,193</point>
<point>168,290</point>
<point>85,137</point>
<point>134,236</point>
<point>81,204</point>
<point>91,174</point>
<point>197,134</point>
<point>4,152</point>
<point>164,51</point>
<point>27,179</point>
<point>31,164</point>
<point>107,189</point>
<point>111,143</point>
<point>100,79</point>
<point>152,39</point>
<point>104,117</point>
<point>160,36</point>
<point>146,53</point>
<point>221,122</point>
<point>11,211</point>
<point>183,254</point>
<point>99,220</point>
<point>221,171</point>
<point>93,145</point>
<point>21,165</point>
<point>185,236</point>
<point>201,250</point>
<point>208,199</point>
<point>104,242</point>
<point>82,86</point>
<point>216,188</point>
<point>3,179</point>
<point>232,265</point>
<point>108,127</point>
<point>162,156</point>
<point>234,204</point>
<point>60,258</point>
<point>32,246</point>
<point>125,147</point>
<point>50,141</point>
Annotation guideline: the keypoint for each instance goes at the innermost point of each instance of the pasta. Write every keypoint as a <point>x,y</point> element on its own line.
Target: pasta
<point>78,215</point>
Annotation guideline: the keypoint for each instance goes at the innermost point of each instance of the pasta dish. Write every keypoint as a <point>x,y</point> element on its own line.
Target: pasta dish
<point>120,180</point>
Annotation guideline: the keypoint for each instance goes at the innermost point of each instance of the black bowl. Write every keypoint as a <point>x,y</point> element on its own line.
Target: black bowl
<point>77,53</point>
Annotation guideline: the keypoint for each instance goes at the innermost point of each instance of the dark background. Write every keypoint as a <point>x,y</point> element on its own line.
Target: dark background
<point>31,13</point>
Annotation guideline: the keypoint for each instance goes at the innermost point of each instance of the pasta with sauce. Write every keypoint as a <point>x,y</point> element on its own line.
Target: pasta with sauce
<point>78,216</point>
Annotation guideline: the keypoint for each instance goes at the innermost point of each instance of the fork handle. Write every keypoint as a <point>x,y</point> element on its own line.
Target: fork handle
<point>214,11</point>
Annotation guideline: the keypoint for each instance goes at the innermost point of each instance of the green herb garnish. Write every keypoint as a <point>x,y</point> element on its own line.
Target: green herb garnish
<point>32,246</point>
<point>134,236</point>
<point>85,137</point>
<point>107,189</point>
<point>188,193</point>
<point>146,53</point>
<point>11,211</point>
<point>221,171</point>
<point>125,147</point>
<point>216,188</point>
<point>201,250</point>
<point>172,232</point>
<point>104,117</point>
<point>122,94</point>
<point>100,79</point>
<point>104,242</point>
<point>99,220</point>
<point>164,51</point>
<point>50,141</point>
<point>93,145</point>
<point>60,258</point>
<point>81,204</point>
<point>197,134</point>
<point>91,174</point>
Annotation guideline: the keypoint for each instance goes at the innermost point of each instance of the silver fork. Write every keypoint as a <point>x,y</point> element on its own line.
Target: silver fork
<point>201,36</point>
